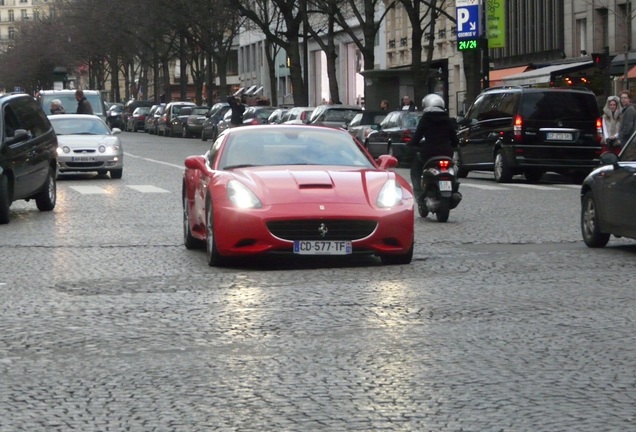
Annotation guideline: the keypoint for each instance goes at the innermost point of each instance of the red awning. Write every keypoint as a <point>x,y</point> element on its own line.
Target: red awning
<point>631,73</point>
<point>496,76</point>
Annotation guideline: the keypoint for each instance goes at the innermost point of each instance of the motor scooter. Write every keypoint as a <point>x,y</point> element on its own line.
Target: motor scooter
<point>440,188</point>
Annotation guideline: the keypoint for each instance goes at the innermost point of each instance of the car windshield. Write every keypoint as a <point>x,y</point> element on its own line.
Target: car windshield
<point>200,111</point>
<point>411,119</point>
<point>341,115</point>
<point>78,126</point>
<point>70,103</point>
<point>291,146</point>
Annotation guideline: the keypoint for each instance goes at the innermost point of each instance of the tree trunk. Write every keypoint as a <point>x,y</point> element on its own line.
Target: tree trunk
<point>270,56</point>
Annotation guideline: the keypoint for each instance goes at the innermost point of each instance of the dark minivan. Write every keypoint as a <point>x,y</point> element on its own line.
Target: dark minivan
<point>28,154</point>
<point>530,131</point>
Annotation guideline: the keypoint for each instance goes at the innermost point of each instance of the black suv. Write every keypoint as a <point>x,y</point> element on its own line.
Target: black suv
<point>521,130</point>
<point>28,154</point>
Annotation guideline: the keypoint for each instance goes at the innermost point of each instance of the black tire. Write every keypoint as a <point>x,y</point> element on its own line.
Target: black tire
<point>422,209</point>
<point>5,201</point>
<point>457,160</point>
<point>46,198</point>
<point>443,212</point>
<point>213,256</point>
<point>215,134</point>
<point>592,235</point>
<point>203,137</point>
<point>533,175</point>
<point>502,170</point>
<point>398,259</point>
<point>116,174</point>
<point>188,240</point>
<point>102,172</point>
<point>185,133</point>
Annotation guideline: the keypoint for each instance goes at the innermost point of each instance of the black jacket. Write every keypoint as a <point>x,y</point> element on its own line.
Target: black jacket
<point>439,132</point>
<point>84,106</point>
<point>237,111</point>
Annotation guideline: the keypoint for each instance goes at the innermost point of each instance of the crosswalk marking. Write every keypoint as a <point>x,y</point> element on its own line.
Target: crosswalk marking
<point>96,190</point>
<point>148,189</point>
<point>532,186</point>
<point>89,190</point>
<point>482,186</point>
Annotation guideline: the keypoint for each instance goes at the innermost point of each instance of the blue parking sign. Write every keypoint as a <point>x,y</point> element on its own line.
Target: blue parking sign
<point>467,20</point>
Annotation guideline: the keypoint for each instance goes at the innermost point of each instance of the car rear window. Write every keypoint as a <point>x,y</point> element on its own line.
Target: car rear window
<point>559,105</point>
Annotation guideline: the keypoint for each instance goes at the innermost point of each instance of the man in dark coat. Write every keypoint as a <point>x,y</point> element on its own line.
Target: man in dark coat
<point>237,110</point>
<point>628,118</point>
<point>83,105</point>
<point>440,137</point>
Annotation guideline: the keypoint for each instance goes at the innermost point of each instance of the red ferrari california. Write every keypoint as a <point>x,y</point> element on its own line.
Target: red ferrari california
<point>295,189</point>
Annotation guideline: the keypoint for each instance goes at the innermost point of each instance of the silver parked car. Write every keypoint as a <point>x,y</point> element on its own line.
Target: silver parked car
<point>86,143</point>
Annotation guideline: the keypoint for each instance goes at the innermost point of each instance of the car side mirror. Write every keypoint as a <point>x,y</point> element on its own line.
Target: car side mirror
<point>609,158</point>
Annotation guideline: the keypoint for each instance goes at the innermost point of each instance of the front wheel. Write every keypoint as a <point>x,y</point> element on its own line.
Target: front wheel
<point>185,133</point>
<point>46,198</point>
<point>592,235</point>
<point>443,211</point>
<point>5,201</point>
<point>214,257</point>
<point>502,171</point>
<point>422,209</point>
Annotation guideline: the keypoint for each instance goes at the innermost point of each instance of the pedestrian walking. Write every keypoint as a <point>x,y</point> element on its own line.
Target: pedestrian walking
<point>628,118</point>
<point>83,105</point>
<point>238,109</point>
<point>611,123</point>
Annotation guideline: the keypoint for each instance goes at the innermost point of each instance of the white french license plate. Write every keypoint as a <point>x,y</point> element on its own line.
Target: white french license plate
<point>445,185</point>
<point>322,247</point>
<point>559,136</point>
<point>83,159</point>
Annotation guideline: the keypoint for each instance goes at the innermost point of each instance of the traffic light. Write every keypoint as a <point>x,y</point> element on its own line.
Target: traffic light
<point>600,59</point>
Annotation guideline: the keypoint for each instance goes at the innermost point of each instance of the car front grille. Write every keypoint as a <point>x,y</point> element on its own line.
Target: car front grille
<point>322,229</point>
<point>84,165</point>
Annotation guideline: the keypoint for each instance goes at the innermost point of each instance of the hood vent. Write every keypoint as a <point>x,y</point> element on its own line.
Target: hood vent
<point>316,186</point>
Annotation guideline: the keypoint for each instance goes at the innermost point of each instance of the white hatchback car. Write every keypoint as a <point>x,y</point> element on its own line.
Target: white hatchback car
<point>86,143</point>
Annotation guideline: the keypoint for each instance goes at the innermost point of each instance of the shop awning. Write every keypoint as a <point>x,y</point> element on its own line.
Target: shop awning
<point>617,67</point>
<point>631,73</point>
<point>545,74</point>
<point>496,76</point>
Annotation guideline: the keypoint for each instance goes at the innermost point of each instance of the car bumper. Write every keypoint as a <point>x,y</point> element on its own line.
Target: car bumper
<point>249,232</point>
<point>90,163</point>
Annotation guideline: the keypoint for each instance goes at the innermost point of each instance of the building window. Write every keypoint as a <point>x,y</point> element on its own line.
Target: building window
<point>24,1</point>
<point>11,33</point>
<point>23,14</point>
<point>11,17</point>
<point>581,35</point>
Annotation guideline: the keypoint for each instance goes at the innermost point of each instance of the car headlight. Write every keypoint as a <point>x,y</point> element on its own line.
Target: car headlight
<point>241,196</point>
<point>390,195</point>
<point>65,149</point>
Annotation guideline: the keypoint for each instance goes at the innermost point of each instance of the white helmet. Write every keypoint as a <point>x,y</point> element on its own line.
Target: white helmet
<point>433,102</point>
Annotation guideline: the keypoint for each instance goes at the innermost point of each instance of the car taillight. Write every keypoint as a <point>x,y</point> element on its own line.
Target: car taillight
<point>303,115</point>
<point>599,129</point>
<point>443,165</point>
<point>406,136</point>
<point>517,127</point>
<point>254,122</point>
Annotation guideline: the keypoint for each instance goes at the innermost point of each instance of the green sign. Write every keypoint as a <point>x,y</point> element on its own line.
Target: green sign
<point>466,45</point>
<point>496,23</point>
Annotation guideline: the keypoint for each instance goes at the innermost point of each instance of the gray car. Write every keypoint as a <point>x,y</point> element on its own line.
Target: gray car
<point>86,143</point>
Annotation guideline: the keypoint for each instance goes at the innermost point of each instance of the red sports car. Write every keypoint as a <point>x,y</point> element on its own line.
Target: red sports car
<point>296,189</point>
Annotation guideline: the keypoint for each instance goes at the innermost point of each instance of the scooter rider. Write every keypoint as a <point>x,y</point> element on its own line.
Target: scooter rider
<point>440,137</point>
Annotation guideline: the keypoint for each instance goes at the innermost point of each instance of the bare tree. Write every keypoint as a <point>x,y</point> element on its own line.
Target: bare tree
<point>291,12</point>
